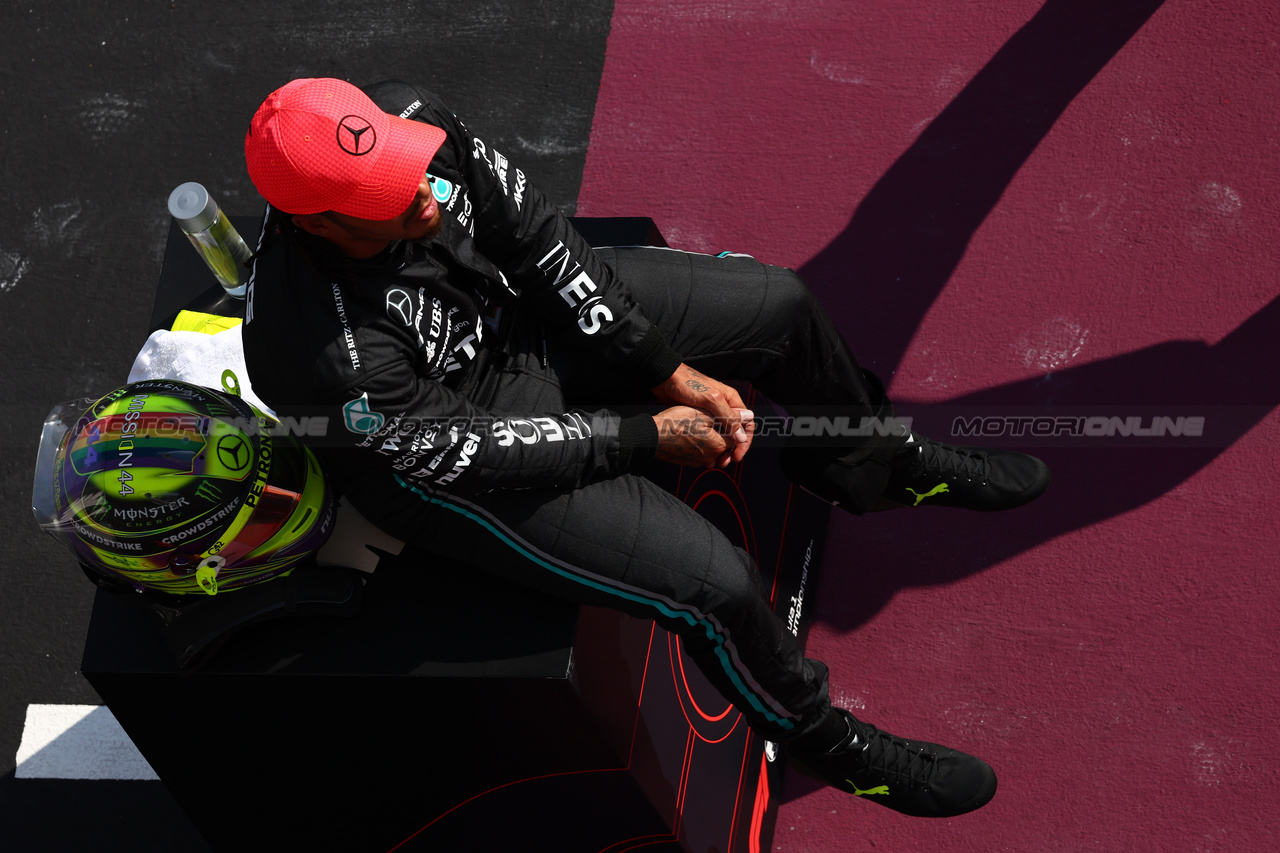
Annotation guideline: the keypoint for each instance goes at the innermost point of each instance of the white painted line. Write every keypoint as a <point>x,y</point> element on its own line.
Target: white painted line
<point>77,742</point>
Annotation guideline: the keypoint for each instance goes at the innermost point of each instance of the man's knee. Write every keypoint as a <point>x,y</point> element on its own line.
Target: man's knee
<point>789,304</point>
<point>735,587</point>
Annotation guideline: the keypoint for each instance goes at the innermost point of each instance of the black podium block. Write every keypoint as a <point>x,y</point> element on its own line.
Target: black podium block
<point>445,715</point>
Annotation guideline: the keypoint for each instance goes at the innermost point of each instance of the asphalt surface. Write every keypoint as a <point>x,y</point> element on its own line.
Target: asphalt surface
<point>109,107</point>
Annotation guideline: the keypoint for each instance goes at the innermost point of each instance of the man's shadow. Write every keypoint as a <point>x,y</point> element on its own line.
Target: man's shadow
<point>900,248</point>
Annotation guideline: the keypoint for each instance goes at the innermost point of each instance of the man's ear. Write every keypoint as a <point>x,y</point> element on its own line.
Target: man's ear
<point>314,223</point>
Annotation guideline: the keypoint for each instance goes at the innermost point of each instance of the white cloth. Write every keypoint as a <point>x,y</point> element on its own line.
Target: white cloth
<point>198,358</point>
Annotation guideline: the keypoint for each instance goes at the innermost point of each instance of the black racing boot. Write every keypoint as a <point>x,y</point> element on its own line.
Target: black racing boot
<point>925,472</point>
<point>913,777</point>
<point>922,472</point>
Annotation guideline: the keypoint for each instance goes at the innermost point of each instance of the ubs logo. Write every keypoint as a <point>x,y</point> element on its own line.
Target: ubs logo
<point>233,453</point>
<point>356,136</point>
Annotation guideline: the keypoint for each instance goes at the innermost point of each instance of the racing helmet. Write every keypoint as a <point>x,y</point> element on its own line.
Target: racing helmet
<point>178,489</point>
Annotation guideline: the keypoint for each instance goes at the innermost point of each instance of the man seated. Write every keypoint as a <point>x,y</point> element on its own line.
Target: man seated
<point>480,364</point>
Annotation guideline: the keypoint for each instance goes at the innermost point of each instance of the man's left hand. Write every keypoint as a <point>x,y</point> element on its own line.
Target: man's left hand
<point>688,387</point>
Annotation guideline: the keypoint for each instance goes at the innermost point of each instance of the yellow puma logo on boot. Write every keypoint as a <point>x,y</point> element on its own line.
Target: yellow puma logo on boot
<point>936,490</point>
<point>879,789</point>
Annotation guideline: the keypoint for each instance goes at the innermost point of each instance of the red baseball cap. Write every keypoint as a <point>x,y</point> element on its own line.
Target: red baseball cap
<point>320,144</point>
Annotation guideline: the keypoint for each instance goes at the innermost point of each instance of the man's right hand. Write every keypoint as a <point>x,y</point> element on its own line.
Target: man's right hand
<point>688,436</point>
<point>689,388</point>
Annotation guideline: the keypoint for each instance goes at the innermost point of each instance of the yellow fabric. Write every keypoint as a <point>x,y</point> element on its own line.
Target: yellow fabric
<point>209,324</point>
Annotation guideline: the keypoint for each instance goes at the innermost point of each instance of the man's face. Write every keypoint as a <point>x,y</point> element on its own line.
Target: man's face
<point>420,220</point>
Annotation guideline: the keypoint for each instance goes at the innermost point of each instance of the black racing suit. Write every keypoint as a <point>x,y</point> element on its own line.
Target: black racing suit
<point>450,372</point>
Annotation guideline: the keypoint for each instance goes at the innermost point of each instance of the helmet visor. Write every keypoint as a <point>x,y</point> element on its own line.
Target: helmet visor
<point>61,420</point>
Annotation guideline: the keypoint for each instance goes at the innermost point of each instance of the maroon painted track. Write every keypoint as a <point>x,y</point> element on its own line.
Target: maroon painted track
<point>1061,206</point>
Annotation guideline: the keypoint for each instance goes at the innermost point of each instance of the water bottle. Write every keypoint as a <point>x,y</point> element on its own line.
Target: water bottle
<point>213,235</point>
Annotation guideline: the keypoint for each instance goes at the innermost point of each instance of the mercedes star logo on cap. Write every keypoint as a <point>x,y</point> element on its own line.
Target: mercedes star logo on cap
<point>356,135</point>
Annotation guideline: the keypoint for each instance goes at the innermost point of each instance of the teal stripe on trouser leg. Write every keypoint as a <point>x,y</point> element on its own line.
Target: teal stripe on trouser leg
<point>751,693</point>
